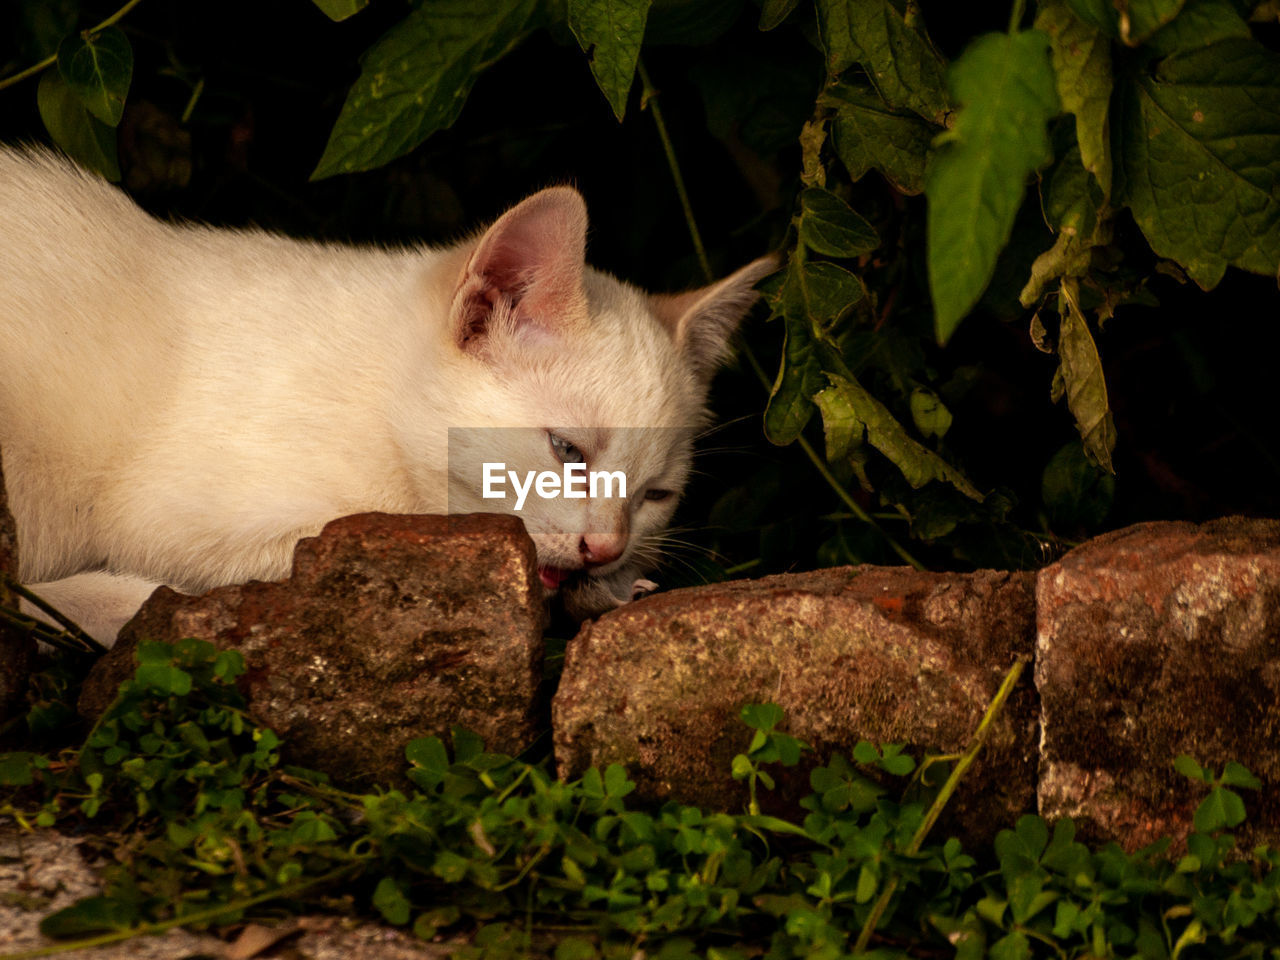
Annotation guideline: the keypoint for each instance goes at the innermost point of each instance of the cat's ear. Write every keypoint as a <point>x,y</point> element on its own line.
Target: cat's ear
<point>526,269</point>
<point>703,321</point>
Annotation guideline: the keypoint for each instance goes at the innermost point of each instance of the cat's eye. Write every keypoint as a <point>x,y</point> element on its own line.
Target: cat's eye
<point>565,451</point>
<point>656,495</point>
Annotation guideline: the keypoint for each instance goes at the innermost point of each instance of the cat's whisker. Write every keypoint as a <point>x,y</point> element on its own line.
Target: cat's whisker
<point>723,425</point>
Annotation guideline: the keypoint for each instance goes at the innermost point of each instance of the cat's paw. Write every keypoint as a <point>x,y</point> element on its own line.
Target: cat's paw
<point>593,596</point>
<point>640,588</point>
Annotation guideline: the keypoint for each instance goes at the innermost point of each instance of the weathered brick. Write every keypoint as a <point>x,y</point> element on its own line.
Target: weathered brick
<point>390,628</point>
<point>1156,640</point>
<point>883,654</point>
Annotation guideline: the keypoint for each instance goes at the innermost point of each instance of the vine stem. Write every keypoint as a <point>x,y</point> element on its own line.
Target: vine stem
<point>200,916</point>
<point>935,809</point>
<point>53,57</point>
<point>71,629</point>
<point>1015,15</point>
<point>649,101</point>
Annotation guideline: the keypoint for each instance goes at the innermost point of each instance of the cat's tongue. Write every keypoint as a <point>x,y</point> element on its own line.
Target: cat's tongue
<point>552,577</point>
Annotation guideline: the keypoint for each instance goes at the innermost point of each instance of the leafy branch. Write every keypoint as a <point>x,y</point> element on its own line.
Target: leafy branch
<point>209,826</point>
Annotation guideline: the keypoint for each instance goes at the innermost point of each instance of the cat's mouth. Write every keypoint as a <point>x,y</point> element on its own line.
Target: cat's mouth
<point>554,577</point>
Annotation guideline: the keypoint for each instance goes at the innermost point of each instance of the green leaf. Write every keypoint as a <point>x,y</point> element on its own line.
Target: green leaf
<point>857,794</point>
<point>788,748</point>
<point>899,60</point>
<point>90,915</point>
<point>98,68</point>
<point>1072,199</point>
<point>1188,767</point>
<point>1013,946</point>
<point>1138,19</point>
<point>773,12</point>
<point>166,680</point>
<point>1081,57</point>
<point>829,226</point>
<point>820,292</point>
<point>15,769</point>
<point>416,78</point>
<point>391,902</point>
<point>1033,833</point>
<point>340,9</point>
<point>467,746</point>
<point>1096,13</point>
<point>977,178</point>
<point>929,413</point>
<point>429,922</point>
<point>1220,810</point>
<point>1083,381</point>
<point>153,651</point>
<point>1075,490</point>
<point>846,406</point>
<point>575,948</point>
<point>593,783</point>
<point>86,139</point>
<point>843,435</point>
<point>1130,21</point>
<point>1201,159</point>
<point>867,884</point>
<point>898,764</point>
<point>799,377</point>
<point>865,752</point>
<point>228,665</point>
<point>762,716</point>
<point>449,866</point>
<point>691,23</point>
<point>611,31</point>
<point>811,294</point>
<point>1238,775</point>
<point>429,754</point>
<point>616,783</point>
<point>1201,23</point>
<point>868,134</point>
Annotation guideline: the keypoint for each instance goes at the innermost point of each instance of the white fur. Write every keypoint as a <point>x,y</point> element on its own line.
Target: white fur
<point>181,404</point>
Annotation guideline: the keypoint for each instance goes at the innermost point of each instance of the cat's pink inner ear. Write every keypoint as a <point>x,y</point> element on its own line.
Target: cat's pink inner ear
<point>703,321</point>
<point>526,269</point>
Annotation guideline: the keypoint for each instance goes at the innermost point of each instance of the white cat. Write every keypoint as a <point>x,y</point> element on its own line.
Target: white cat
<point>181,404</point>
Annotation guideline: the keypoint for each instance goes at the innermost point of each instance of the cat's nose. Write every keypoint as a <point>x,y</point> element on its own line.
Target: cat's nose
<point>597,549</point>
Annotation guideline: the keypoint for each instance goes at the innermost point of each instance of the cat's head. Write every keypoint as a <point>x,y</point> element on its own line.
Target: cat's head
<point>584,383</point>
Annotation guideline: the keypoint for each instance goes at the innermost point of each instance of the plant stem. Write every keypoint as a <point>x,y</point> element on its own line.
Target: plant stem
<point>935,810</point>
<point>1015,15</point>
<point>42,632</point>
<point>649,97</point>
<point>69,626</point>
<point>53,57</point>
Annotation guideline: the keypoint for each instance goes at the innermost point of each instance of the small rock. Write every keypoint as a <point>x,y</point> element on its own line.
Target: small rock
<point>17,648</point>
<point>1153,641</point>
<point>390,628</point>
<point>44,871</point>
<point>888,655</point>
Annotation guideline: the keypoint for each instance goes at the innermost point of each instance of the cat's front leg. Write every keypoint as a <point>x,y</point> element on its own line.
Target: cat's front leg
<point>596,595</point>
<point>99,602</point>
